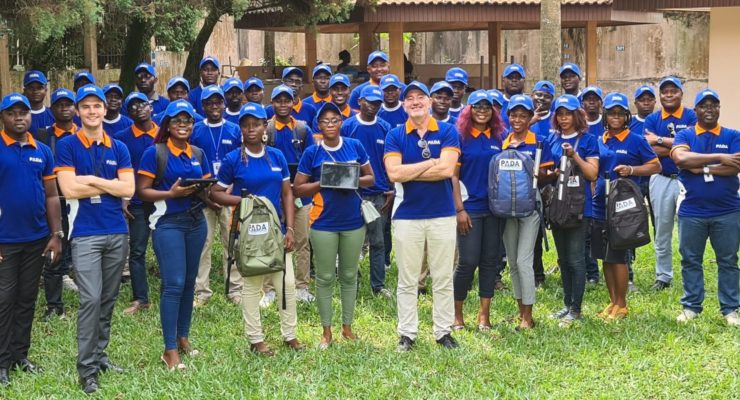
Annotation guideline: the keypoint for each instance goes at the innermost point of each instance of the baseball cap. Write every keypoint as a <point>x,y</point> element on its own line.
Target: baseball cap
<point>253,81</point>
<point>375,55</point>
<point>292,70</point>
<point>209,59</point>
<point>339,78</point>
<point>112,86</point>
<point>644,89</point>
<point>390,80</point>
<point>520,100</point>
<point>328,106</point>
<point>62,93</point>
<point>544,86</point>
<point>134,96</point>
<point>179,106</point>
<point>145,67</point>
<point>457,74</point>
<point>616,100</point>
<point>478,96</point>
<point>671,79</point>
<point>210,91</point>
<point>34,76</point>
<point>232,83</point>
<point>570,67</point>
<point>441,85</point>
<point>178,80</point>
<point>415,85</point>
<point>13,99</point>
<point>592,89</point>
<point>567,101</point>
<point>321,68</point>
<point>371,93</point>
<point>90,90</point>
<point>704,94</point>
<point>252,110</point>
<point>512,68</point>
<point>496,96</point>
<point>280,89</point>
<point>86,75</point>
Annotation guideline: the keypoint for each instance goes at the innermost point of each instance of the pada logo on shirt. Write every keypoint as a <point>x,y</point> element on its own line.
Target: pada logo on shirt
<point>721,146</point>
<point>227,141</point>
<point>625,205</point>
<point>435,142</point>
<point>507,164</point>
<point>36,160</point>
<point>621,151</point>
<point>111,162</point>
<point>194,163</point>
<point>259,228</point>
<point>380,141</point>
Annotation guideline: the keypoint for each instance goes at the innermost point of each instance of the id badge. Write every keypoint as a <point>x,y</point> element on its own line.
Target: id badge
<point>573,181</point>
<point>216,167</point>
<point>298,202</point>
<point>95,200</point>
<point>708,178</point>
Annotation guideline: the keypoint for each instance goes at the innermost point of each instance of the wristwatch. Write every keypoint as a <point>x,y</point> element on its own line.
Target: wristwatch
<point>59,234</point>
<point>660,140</point>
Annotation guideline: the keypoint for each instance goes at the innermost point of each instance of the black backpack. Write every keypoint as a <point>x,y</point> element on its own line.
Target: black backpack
<point>299,135</point>
<point>569,197</point>
<point>627,225</point>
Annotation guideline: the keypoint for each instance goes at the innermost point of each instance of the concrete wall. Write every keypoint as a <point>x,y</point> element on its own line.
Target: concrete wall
<point>724,58</point>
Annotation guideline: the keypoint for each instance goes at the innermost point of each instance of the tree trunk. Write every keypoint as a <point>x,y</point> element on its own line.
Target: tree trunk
<point>138,49</point>
<point>550,39</point>
<point>198,47</point>
<point>269,46</point>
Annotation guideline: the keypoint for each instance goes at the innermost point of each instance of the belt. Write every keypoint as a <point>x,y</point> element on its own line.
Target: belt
<point>672,176</point>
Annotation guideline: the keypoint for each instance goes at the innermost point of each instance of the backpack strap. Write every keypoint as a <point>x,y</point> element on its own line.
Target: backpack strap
<point>162,159</point>
<point>271,131</point>
<point>198,153</point>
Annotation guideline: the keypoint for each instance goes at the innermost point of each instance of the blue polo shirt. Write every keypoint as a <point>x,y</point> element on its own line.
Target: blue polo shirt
<point>476,152</point>
<point>347,113</point>
<point>181,164</point>
<point>664,124</point>
<point>372,137</point>
<point>637,126</point>
<point>596,128</point>
<point>588,147</point>
<point>354,97</point>
<point>23,170</point>
<point>316,101</point>
<point>137,141</point>
<point>422,200</point>
<point>301,112</point>
<point>106,160</point>
<point>708,199</point>
<point>395,116</point>
<point>40,118</point>
<point>449,119</point>
<point>121,122</point>
<point>58,134</point>
<point>261,174</point>
<point>542,128</point>
<point>284,143</point>
<point>529,147</point>
<point>216,140</point>
<point>334,210</point>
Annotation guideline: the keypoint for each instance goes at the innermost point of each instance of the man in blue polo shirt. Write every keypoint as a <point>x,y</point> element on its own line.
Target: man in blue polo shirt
<point>644,102</point>
<point>210,71</point>
<point>592,102</point>
<point>442,95</point>
<point>30,230</point>
<point>371,132</point>
<point>420,158</point>
<point>216,137</point>
<point>145,79</point>
<point>458,79</point>
<point>177,88</point>
<point>254,90</point>
<point>115,120</point>
<point>35,87</point>
<point>709,158</point>
<point>660,130</point>
<point>234,93</point>
<point>543,94</point>
<point>392,110</point>
<point>293,78</point>
<point>339,90</point>
<point>321,75</point>
<point>513,81</point>
<point>570,79</point>
<point>95,174</point>
<point>81,79</point>
<point>378,65</point>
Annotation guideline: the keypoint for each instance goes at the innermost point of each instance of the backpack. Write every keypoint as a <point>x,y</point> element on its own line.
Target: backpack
<point>627,225</point>
<point>569,197</point>
<point>259,248</point>
<point>299,134</point>
<point>163,156</point>
<point>48,138</point>
<point>511,190</point>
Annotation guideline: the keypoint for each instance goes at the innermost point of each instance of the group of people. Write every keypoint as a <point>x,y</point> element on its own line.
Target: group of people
<point>98,172</point>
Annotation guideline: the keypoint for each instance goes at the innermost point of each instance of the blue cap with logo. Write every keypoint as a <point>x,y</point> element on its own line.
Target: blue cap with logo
<point>149,68</point>
<point>616,100</point>
<point>292,70</point>
<point>209,60</point>
<point>377,54</point>
<point>62,93</point>
<point>34,76</point>
<point>390,80</point>
<point>210,91</point>
<point>457,74</point>
<point>177,107</point>
<point>178,80</point>
<point>280,89</point>
<point>570,67</point>
<point>112,86</point>
<point>672,80</point>
<point>13,99</point>
<point>339,78</point>
<point>90,90</point>
<point>134,96</point>
<point>232,83</point>
<point>321,68</point>
<point>496,96</point>
<point>514,68</point>
<point>252,110</point>
<point>520,100</point>
<point>371,93</point>
<point>567,101</point>
<point>84,75</point>
<point>705,94</point>
<point>478,96</point>
<point>328,106</point>
<point>441,85</point>
<point>415,85</point>
<point>253,81</point>
<point>592,89</point>
<point>544,86</point>
<point>644,89</point>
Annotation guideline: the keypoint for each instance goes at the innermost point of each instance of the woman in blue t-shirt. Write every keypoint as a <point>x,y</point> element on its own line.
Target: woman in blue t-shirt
<point>337,225</point>
<point>178,225</point>
<point>262,171</point>
<point>572,141</point>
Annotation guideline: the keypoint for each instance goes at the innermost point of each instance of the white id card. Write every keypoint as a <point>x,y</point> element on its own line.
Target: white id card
<point>95,200</point>
<point>708,178</point>
<point>216,167</point>
<point>573,181</point>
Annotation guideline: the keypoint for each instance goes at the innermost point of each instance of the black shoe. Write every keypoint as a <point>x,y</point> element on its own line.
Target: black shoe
<point>660,285</point>
<point>52,312</point>
<point>4,378</point>
<point>108,366</point>
<point>27,366</point>
<point>422,291</point>
<point>448,342</point>
<point>405,344</point>
<point>89,384</point>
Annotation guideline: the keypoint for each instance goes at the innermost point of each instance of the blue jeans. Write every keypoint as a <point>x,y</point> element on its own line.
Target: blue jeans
<point>569,243</point>
<point>138,239</point>
<point>178,242</point>
<point>724,234</point>
<point>376,239</point>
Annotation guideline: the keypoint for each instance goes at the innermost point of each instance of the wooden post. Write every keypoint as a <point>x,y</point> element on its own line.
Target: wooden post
<point>90,46</point>
<point>494,55</point>
<point>311,54</point>
<point>395,44</point>
<point>4,62</point>
<point>550,39</point>
<point>366,44</point>
<point>591,50</point>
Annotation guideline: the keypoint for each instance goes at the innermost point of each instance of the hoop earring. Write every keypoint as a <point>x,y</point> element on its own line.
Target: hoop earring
<point>264,138</point>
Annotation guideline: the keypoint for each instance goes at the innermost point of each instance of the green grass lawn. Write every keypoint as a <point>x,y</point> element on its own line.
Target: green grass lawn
<point>645,356</point>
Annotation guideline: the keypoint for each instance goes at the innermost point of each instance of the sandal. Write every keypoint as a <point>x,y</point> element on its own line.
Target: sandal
<point>263,350</point>
<point>484,327</point>
<point>176,367</point>
<point>458,327</point>
<point>294,344</point>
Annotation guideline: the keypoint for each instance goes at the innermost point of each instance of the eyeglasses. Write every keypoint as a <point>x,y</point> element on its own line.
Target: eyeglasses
<point>293,81</point>
<point>482,106</point>
<point>329,122</point>
<point>424,146</point>
<point>182,121</point>
<point>138,106</point>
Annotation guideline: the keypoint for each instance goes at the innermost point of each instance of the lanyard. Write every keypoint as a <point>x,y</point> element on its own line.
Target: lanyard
<point>93,153</point>
<point>216,144</point>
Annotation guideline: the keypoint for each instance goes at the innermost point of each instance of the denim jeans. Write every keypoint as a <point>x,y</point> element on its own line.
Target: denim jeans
<point>592,266</point>
<point>376,239</point>
<point>138,239</point>
<point>481,248</point>
<point>569,243</point>
<point>723,233</point>
<point>178,242</point>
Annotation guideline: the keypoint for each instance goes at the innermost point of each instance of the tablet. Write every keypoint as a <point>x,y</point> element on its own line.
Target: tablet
<point>199,182</point>
<point>340,175</point>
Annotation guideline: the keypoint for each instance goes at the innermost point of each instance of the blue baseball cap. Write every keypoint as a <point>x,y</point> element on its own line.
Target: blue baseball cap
<point>644,89</point>
<point>210,91</point>
<point>13,99</point>
<point>328,106</point>
<point>616,100</point>
<point>512,68</point>
<point>280,89</point>
<point>415,85</point>
<point>254,81</point>
<point>520,100</point>
<point>145,67</point>
<point>112,86</point>
<point>292,70</point>
<point>134,96</point>
<point>90,90</point>
<point>252,110</point>
<point>177,107</point>
<point>705,94</point>
<point>544,86</point>
<point>390,80</point>
<point>496,96</point>
<point>441,85</point>
<point>671,79</point>
<point>62,93</point>
<point>592,89</point>
<point>86,75</point>
<point>34,76</point>
<point>457,74</point>
<point>371,93</point>
<point>570,67</point>
<point>209,60</point>
<point>375,55</point>
<point>232,83</point>
<point>339,78</point>
<point>567,101</point>
<point>478,96</point>
<point>321,68</point>
<point>178,80</point>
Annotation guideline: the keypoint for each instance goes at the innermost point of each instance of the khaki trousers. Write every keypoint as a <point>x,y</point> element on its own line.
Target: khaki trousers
<point>252,293</point>
<point>301,251</point>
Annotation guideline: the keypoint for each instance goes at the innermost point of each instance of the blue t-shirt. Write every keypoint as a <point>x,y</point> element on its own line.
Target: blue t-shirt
<point>668,125</point>
<point>708,199</point>
<point>216,140</point>
<point>334,210</point>
<point>315,101</point>
<point>372,137</point>
<point>181,164</point>
<point>596,128</point>
<point>136,142</point>
<point>23,170</point>
<point>231,117</point>
<point>94,216</point>
<point>292,151</point>
<point>395,116</point>
<point>588,147</point>
<point>542,128</point>
<point>194,98</point>
<point>450,119</point>
<point>118,124</point>
<point>476,152</point>
<point>301,112</point>
<point>455,112</point>
<point>40,118</point>
<point>419,199</point>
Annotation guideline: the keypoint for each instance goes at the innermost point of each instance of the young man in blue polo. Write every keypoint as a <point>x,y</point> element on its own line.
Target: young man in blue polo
<point>708,156</point>
<point>177,88</point>
<point>293,78</point>
<point>145,79</point>
<point>441,100</point>
<point>137,138</point>
<point>254,90</point>
<point>95,174</point>
<point>570,79</point>
<point>513,80</point>
<point>392,110</point>
<point>320,80</point>
<point>35,87</point>
<point>217,137</point>
<point>81,79</point>
<point>592,102</point>
<point>660,130</point>
<point>543,93</point>
<point>339,90</point>
<point>115,120</point>
<point>458,79</point>
<point>210,71</point>
<point>234,94</point>
<point>30,230</point>
<point>378,65</point>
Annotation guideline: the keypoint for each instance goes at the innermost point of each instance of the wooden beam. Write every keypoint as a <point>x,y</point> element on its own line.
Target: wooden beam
<point>90,46</point>
<point>494,54</point>
<point>395,44</point>
<point>366,44</point>
<point>311,54</point>
<point>4,63</point>
<point>591,52</point>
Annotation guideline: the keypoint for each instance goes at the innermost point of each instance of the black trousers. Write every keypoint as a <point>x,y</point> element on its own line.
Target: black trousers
<point>20,272</point>
<point>53,275</point>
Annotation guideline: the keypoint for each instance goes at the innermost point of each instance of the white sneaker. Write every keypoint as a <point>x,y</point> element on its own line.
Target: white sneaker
<point>686,316</point>
<point>304,295</point>
<point>69,283</point>
<point>732,319</point>
<point>384,293</point>
<point>267,299</point>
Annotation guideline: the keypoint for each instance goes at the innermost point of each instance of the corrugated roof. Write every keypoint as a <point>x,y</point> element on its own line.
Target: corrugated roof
<point>485,2</point>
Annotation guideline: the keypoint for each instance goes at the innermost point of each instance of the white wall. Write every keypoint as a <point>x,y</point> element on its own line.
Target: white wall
<point>724,58</point>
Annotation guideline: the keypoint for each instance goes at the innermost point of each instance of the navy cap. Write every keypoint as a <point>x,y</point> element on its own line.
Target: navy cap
<point>177,107</point>
<point>339,78</point>
<point>134,96</point>
<point>375,55</point>
<point>321,68</point>
<point>34,76</point>
<point>592,89</point>
<point>371,93</point>
<point>252,110</point>
<point>512,68</point>
<point>90,90</point>
<point>292,70</point>
<point>145,67</point>
<point>112,86</point>
<point>62,93</point>
<point>567,101</point>
<point>209,60</point>
<point>496,96</point>
<point>671,79</point>
<point>457,74</point>
<point>644,89</point>
<point>705,94</point>
<point>254,81</point>
<point>328,106</point>
<point>544,86</point>
<point>570,67</point>
<point>84,74</point>
<point>478,96</point>
<point>616,100</point>
<point>210,91</point>
<point>415,85</point>
<point>13,99</point>
<point>280,89</point>
<point>178,80</point>
<point>441,85</point>
<point>390,80</point>
<point>520,100</point>
<point>232,83</point>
